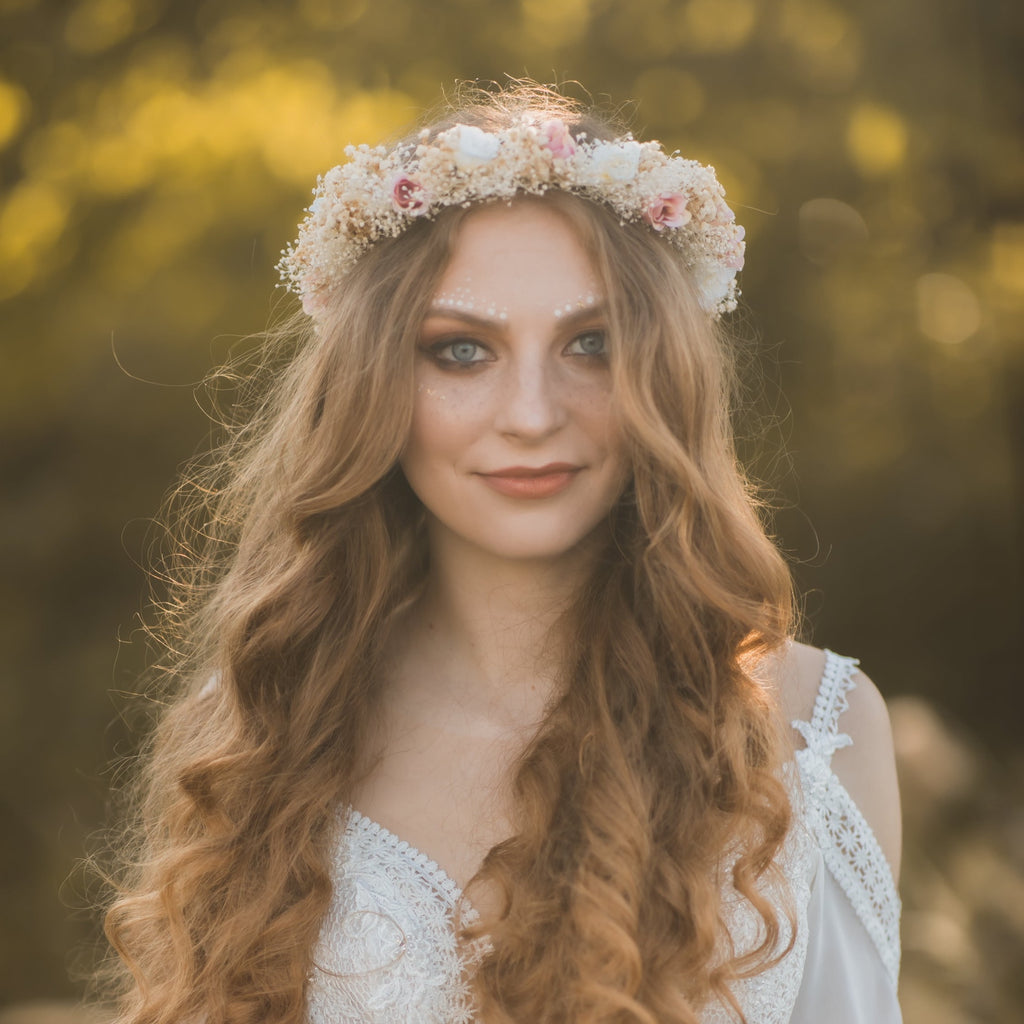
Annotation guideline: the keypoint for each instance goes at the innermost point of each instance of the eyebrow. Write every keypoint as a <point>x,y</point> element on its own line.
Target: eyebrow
<point>575,317</point>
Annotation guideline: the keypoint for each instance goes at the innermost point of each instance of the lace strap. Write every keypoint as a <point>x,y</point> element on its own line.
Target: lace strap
<point>848,844</point>
<point>821,733</point>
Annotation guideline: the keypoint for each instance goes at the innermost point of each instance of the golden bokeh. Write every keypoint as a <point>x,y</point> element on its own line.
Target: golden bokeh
<point>876,138</point>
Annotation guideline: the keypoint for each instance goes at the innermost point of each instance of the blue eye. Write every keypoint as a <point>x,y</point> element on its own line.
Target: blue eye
<point>463,351</point>
<point>460,352</point>
<point>590,343</point>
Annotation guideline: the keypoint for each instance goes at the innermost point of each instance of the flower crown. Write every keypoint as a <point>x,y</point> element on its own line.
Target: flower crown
<point>379,193</point>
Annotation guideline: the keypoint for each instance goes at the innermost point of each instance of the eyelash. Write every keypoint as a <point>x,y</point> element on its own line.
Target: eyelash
<point>438,349</point>
<point>590,334</point>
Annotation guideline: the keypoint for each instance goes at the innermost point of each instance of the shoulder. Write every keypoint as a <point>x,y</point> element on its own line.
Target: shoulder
<point>798,669</point>
<point>867,767</point>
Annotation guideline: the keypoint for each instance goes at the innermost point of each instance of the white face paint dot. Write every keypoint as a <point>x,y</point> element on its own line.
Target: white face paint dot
<point>459,298</point>
<point>462,298</point>
<point>582,301</point>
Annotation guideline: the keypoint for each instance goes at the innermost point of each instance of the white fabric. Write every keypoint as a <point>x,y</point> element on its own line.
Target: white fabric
<point>844,980</point>
<point>843,836</point>
<point>387,950</point>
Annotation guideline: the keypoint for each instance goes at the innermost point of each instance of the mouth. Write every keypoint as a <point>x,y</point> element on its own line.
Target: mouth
<point>531,481</point>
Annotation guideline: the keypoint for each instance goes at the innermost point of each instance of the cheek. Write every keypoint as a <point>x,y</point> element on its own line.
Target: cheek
<point>603,424</point>
<point>444,422</point>
<point>596,411</point>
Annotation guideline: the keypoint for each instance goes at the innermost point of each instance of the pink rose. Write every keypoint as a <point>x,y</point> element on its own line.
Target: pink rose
<point>409,195</point>
<point>558,139</point>
<point>667,211</point>
<point>314,301</point>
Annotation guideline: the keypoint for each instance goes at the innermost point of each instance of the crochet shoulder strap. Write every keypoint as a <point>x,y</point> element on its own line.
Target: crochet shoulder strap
<point>849,847</point>
<point>821,733</point>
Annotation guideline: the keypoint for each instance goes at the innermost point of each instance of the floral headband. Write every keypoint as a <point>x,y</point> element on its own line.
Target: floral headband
<point>379,193</point>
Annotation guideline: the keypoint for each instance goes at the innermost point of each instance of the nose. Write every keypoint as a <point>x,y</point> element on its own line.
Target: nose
<point>531,405</point>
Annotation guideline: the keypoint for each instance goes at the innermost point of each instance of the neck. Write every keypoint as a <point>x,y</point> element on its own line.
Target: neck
<point>482,642</point>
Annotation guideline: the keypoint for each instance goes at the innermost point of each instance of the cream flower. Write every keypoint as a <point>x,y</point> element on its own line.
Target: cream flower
<point>615,161</point>
<point>378,192</point>
<point>734,258</point>
<point>472,146</point>
<point>716,284</point>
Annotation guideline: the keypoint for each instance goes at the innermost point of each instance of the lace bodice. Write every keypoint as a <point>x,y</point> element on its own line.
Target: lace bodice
<point>387,952</point>
<point>387,949</point>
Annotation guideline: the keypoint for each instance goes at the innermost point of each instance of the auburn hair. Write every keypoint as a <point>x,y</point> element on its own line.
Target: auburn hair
<point>652,785</point>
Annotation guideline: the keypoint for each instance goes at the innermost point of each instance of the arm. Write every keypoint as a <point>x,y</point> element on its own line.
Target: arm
<point>852,809</point>
<point>867,768</point>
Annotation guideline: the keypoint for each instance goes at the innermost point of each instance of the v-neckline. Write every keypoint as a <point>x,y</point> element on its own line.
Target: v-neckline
<point>451,890</point>
<point>427,867</point>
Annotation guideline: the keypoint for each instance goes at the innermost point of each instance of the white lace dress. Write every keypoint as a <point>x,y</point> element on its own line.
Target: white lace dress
<point>387,952</point>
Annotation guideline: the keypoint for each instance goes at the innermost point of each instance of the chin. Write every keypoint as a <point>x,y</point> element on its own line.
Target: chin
<point>526,542</point>
<point>531,550</point>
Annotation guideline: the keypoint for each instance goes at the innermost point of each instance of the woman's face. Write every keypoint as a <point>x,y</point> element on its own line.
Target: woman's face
<point>514,447</point>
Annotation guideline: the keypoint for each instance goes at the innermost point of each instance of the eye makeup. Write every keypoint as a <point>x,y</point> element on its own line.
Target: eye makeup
<point>583,301</point>
<point>463,300</point>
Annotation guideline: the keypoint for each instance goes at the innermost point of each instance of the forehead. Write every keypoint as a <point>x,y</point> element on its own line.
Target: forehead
<point>523,250</point>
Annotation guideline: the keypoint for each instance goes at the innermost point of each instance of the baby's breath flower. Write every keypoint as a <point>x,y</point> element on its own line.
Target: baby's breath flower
<point>379,192</point>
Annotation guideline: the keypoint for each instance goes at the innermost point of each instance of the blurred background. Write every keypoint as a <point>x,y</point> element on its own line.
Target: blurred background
<point>155,158</point>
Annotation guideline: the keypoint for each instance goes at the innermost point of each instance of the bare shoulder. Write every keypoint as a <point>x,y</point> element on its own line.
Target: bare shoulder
<point>798,677</point>
<point>866,768</point>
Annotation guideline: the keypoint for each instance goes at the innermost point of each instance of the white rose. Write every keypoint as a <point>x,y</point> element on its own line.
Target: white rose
<point>616,161</point>
<point>713,283</point>
<point>473,146</point>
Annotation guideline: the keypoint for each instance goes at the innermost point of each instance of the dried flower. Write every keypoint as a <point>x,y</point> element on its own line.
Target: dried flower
<point>379,192</point>
<point>667,210</point>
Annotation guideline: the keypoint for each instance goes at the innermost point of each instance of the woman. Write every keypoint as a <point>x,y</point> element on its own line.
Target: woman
<point>485,702</point>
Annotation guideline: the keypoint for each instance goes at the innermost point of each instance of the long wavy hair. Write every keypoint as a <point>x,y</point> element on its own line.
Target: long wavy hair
<point>651,788</point>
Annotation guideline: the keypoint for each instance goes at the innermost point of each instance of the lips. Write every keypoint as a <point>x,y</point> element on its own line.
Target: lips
<point>531,481</point>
